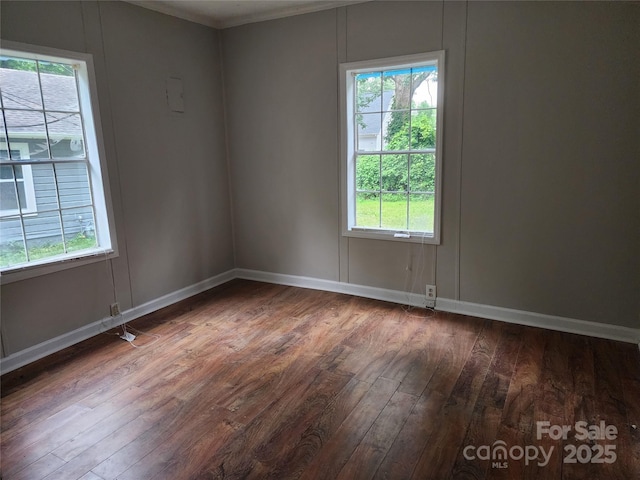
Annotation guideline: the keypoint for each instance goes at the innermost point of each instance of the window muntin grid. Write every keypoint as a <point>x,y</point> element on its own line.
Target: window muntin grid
<point>384,171</point>
<point>42,109</point>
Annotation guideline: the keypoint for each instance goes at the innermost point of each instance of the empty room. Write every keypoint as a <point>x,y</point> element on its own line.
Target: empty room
<point>319,240</point>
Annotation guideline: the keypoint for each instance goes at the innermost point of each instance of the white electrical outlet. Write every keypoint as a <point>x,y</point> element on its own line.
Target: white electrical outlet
<point>115,309</point>
<point>431,292</point>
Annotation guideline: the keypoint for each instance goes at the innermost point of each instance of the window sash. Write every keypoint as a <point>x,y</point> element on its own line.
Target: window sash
<point>350,151</point>
<point>90,209</point>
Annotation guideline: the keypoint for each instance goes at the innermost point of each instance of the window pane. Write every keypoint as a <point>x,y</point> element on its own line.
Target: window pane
<point>44,184</point>
<point>368,172</point>
<point>44,235</point>
<point>394,211</point>
<point>422,173</point>
<point>369,131</point>
<point>421,212</point>
<point>73,184</point>
<point>9,185</point>
<point>6,172</point>
<point>368,90</point>
<point>8,199</point>
<point>27,128</point>
<point>65,132</point>
<point>11,245</point>
<point>20,86</point>
<point>368,210</point>
<point>396,131</point>
<point>56,68</point>
<point>395,173</point>
<point>425,89</point>
<point>423,129</point>
<point>399,81</point>
<point>79,229</point>
<point>59,87</point>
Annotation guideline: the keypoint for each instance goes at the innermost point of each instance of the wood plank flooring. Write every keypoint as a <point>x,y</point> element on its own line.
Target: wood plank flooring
<point>260,381</point>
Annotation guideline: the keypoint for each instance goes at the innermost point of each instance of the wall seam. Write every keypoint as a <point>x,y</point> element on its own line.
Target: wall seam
<point>341,56</point>
<point>338,149</point>
<point>464,90</point>
<point>123,227</point>
<point>227,149</point>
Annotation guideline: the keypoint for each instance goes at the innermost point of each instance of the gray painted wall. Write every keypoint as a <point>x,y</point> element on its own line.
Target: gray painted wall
<point>168,175</point>
<point>550,174</point>
<point>541,171</point>
<point>541,152</point>
<point>280,84</point>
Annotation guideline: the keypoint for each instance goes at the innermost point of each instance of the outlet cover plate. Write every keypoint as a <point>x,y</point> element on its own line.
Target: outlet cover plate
<point>431,292</point>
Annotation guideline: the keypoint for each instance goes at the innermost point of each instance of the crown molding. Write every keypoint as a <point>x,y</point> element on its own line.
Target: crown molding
<point>311,7</point>
<point>168,9</point>
<point>237,20</point>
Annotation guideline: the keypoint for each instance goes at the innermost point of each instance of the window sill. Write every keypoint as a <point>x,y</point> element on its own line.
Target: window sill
<point>72,260</point>
<point>393,236</point>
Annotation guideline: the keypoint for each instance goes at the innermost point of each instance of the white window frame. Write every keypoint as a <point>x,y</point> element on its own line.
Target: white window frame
<point>95,152</point>
<point>348,145</point>
<point>27,180</point>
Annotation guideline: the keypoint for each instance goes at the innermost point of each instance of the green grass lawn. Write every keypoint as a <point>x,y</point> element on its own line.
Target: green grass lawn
<point>392,212</point>
<point>13,253</point>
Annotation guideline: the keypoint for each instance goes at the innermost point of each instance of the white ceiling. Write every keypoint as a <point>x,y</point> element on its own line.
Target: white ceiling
<point>229,13</point>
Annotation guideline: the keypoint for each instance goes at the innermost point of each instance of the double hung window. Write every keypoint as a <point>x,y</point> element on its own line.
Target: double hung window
<point>52,203</point>
<point>392,147</point>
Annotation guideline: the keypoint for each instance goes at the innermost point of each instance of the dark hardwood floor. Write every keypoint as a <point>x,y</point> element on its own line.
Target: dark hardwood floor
<point>262,381</point>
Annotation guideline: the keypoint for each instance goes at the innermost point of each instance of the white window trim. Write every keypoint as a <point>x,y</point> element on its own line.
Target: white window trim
<point>105,223</point>
<point>347,147</point>
<point>27,180</point>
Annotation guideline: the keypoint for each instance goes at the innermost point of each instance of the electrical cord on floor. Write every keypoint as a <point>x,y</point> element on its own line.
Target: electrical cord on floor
<point>126,328</point>
<point>429,312</point>
<point>105,327</point>
<point>125,335</point>
<point>408,308</point>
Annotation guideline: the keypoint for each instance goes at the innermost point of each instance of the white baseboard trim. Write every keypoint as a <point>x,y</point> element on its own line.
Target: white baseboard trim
<point>393,296</point>
<point>178,295</point>
<point>36,352</point>
<point>53,345</point>
<point>549,322</point>
<point>532,319</point>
